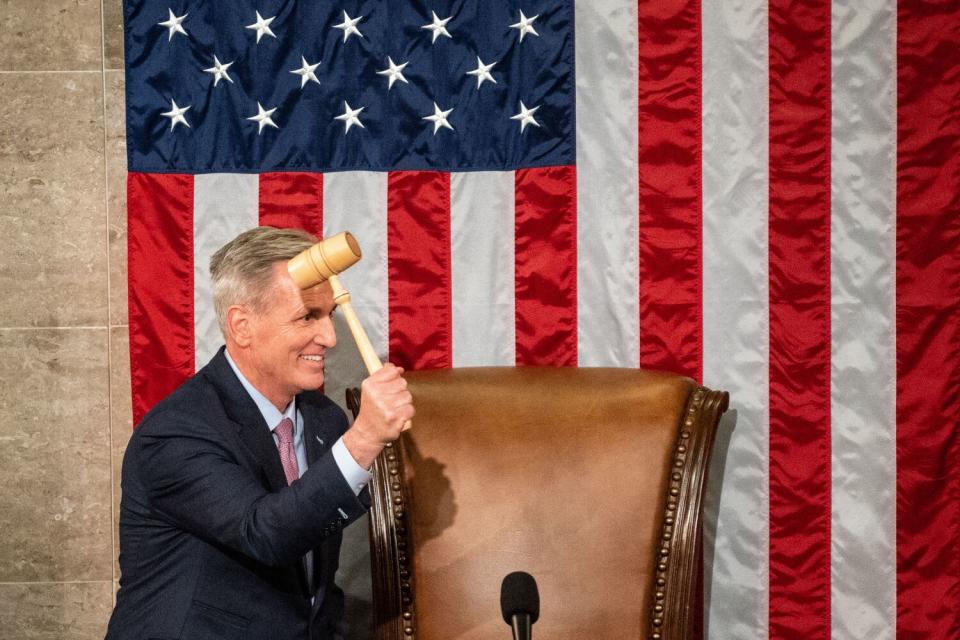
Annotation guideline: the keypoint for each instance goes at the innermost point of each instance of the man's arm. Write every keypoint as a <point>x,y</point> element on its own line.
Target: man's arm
<point>195,479</point>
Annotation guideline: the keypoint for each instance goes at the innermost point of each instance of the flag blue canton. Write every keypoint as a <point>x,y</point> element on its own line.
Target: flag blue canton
<point>167,68</point>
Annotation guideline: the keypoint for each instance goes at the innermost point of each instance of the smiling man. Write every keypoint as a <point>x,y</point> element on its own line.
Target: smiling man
<point>237,486</point>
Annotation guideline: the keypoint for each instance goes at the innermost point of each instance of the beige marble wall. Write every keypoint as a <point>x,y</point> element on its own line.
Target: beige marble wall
<point>64,390</point>
<point>65,413</point>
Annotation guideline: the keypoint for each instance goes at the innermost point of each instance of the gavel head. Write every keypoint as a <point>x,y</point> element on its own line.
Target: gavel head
<point>324,259</point>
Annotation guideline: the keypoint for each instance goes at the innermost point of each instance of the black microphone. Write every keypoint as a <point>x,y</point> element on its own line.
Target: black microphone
<point>520,603</point>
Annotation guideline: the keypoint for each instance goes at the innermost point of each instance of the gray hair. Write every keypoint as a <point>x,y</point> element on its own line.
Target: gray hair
<point>242,269</point>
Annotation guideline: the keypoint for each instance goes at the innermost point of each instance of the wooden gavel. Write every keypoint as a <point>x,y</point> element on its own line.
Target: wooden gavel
<point>323,262</point>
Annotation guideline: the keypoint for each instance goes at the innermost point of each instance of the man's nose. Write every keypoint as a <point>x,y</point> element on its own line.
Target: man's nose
<point>326,334</point>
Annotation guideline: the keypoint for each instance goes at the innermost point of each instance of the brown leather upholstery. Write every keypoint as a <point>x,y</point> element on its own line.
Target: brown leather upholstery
<point>589,479</point>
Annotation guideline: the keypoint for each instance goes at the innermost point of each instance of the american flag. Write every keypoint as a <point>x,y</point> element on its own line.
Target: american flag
<point>763,195</point>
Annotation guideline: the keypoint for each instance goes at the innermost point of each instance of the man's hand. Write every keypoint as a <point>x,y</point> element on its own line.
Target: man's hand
<point>385,406</point>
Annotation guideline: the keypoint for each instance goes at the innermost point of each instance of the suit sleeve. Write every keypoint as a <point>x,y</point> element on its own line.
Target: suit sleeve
<point>194,479</point>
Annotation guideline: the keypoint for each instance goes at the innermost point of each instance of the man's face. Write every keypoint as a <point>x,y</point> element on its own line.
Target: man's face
<point>290,338</point>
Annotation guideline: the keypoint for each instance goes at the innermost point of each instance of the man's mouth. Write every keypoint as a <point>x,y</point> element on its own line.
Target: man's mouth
<point>312,358</point>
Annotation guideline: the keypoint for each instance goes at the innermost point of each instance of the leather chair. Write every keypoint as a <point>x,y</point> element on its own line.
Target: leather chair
<point>591,480</point>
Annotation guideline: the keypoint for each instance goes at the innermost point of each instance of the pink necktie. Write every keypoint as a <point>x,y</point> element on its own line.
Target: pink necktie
<point>288,457</point>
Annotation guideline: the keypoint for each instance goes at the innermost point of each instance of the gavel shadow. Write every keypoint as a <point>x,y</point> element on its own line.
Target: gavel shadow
<point>430,491</point>
<point>436,507</point>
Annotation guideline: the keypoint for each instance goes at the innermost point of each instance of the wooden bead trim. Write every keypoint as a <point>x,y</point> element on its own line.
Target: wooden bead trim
<point>393,588</point>
<point>678,549</point>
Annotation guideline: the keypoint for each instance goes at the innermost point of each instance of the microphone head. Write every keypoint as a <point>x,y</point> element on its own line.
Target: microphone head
<point>518,594</point>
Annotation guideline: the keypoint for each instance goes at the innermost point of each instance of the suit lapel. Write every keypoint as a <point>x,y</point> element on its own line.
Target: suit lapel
<point>252,429</point>
<point>317,435</point>
<point>258,440</point>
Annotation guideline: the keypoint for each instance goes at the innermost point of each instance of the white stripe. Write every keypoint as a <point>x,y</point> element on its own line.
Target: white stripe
<point>735,313</point>
<point>224,205</point>
<point>863,525</point>
<point>356,201</point>
<point>482,266</point>
<point>607,184</point>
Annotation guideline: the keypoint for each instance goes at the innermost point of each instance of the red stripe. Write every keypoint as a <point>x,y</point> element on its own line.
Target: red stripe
<point>799,256</point>
<point>160,281</point>
<point>418,250</point>
<point>292,200</point>
<point>928,317</point>
<point>546,266</point>
<point>671,248</point>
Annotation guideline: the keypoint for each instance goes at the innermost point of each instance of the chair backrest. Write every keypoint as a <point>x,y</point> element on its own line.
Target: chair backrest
<point>591,480</point>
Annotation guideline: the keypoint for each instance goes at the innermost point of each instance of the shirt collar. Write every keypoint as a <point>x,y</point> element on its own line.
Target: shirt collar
<point>270,413</point>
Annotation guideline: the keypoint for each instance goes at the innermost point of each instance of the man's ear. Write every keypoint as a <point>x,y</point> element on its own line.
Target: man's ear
<point>240,325</point>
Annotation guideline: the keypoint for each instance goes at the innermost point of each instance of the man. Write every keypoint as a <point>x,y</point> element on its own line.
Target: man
<point>236,487</point>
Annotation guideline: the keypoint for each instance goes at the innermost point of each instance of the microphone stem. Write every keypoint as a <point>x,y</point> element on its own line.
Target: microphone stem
<point>522,627</point>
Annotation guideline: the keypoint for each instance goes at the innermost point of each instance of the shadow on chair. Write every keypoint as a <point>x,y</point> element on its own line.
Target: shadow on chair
<point>591,480</point>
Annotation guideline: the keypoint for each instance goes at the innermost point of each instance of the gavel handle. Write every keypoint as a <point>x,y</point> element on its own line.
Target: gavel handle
<point>342,297</point>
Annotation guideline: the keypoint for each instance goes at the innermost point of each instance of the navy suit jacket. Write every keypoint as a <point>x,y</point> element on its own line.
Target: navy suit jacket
<point>211,537</point>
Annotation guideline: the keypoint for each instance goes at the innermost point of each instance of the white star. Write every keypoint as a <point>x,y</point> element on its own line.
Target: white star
<point>262,26</point>
<point>306,72</point>
<point>176,115</point>
<point>438,27</point>
<point>393,72</point>
<point>219,71</point>
<point>263,118</point>
<point>482,72</point>
<point>525,25</point>
<point>349,117</point>
<point>526,116</point>
<point>349,26</point>
<point>173,24</point>
<point>439,118</point>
